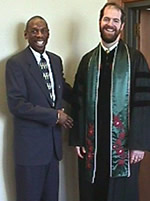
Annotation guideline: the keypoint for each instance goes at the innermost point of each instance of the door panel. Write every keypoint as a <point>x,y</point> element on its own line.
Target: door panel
<point>145,34</point>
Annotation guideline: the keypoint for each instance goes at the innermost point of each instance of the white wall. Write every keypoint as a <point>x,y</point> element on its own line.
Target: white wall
<point>74,30</point>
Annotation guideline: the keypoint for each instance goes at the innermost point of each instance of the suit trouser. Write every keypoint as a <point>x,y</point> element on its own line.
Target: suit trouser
<point>38,183</point>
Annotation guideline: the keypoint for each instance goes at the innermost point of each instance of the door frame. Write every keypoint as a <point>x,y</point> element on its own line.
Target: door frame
<point>132,10</point>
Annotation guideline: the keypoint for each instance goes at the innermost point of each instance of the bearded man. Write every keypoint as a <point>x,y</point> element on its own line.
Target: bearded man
<point>112,105</point>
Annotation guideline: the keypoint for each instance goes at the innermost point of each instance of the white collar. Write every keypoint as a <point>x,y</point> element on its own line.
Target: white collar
<point>110,48</point>
<point>38,55</point>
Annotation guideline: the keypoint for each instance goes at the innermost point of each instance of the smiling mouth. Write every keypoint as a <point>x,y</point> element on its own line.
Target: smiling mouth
<point>109,30</point>
<point>40,43</point>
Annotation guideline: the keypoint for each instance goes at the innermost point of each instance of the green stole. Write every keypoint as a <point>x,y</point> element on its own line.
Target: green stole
<point>119,110</point>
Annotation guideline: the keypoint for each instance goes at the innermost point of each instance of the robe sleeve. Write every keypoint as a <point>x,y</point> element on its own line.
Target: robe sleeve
<point>77,135</point>
<point>139,133</point>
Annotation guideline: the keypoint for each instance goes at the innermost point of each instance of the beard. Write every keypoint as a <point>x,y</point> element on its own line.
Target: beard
<point>109,38</point>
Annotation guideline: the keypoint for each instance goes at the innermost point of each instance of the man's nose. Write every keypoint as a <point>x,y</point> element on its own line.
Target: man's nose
<point>110,22</point>
<point>39,33</point>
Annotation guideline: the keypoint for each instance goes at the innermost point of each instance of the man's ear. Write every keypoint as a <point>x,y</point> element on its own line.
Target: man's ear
<point>122,26</point>
<point>25,35</point>
<point>99,25</point>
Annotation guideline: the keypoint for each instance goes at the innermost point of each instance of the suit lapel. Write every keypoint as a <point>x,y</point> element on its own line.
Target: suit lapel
<point>56,76</point>
<point>36,74</point>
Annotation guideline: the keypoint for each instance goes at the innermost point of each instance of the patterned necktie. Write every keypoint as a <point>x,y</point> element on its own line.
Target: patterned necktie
<point>46,75</point>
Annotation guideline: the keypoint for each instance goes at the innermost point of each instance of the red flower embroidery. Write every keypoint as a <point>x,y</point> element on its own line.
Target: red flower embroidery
<point>122,135</point>
<point>120,151</point>
<point>114,147</point>
<point>88,165</point>
<point>90,155</point>
<point>121,162</point>
<point>89,143</point>
<point>90,130</point>
<point>118,142</point>
<point>90,148</point>
<point>117,122</point>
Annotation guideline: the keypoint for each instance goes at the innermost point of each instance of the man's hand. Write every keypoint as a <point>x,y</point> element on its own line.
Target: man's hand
<point>80,151</point>
<point>64,120</point>
<point>136,156</point>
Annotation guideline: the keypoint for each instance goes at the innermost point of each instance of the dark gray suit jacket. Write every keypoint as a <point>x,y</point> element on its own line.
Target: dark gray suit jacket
<point>36,135</point>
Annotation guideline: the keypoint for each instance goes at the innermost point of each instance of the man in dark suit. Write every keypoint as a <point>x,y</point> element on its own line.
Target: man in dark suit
<point>38,114</point>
